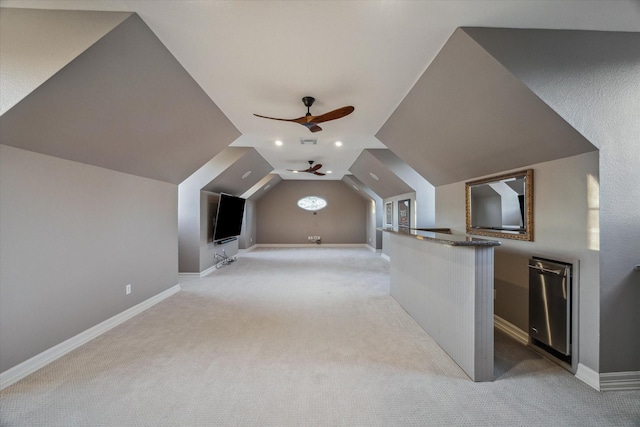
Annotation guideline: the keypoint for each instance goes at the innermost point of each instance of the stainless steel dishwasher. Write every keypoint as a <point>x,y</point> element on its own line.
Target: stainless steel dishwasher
<point>550,304</point>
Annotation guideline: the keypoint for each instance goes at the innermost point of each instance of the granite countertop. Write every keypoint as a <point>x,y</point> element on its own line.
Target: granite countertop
<point>445,239</point>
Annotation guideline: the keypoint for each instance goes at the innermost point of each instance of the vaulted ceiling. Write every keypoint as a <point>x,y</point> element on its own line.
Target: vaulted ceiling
<point>159,93</point>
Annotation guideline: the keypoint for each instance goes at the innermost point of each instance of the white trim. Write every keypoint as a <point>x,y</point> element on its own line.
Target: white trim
<point>588,376</point>
<point>385,256</point>
<point>249,249</point>
<point>207,271</point>
<point>312,245</point>
<point>616,381</point>
<point>510,329</point>
<point>188,275</point>
<point>20,371</point>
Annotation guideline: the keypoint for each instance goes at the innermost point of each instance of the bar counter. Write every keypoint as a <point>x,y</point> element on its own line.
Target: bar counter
<point>445,282</point>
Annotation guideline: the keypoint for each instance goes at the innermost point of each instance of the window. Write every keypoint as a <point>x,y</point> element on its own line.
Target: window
<point>312,203</point>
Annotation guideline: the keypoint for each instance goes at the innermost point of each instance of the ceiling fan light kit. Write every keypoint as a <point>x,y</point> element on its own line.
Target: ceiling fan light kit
<point>310,121</point>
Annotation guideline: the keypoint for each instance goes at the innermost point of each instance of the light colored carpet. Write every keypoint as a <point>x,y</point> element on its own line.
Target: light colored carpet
<point>296,337</point>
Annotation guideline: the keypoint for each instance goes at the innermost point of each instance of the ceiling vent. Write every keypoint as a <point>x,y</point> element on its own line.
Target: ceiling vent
<point>309,141</point>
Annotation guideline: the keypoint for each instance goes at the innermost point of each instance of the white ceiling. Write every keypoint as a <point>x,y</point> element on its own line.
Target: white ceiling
<point>264,56</point>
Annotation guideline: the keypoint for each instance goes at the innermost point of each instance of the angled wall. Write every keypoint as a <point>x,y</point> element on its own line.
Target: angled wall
<point>377,176</point>
<point>125,104</point>
<point>592,80</point>
<point>36,44</point>
<point>469,116</point>
<point>425,192</point>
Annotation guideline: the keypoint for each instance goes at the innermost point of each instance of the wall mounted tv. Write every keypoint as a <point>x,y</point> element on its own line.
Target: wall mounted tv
<point>228,220</point>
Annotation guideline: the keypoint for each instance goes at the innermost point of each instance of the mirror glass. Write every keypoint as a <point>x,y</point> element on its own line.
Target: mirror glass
<point>501,206</point>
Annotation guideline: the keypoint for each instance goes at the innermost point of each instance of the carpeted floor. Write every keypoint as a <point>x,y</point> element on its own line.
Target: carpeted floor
<point>297,337</point>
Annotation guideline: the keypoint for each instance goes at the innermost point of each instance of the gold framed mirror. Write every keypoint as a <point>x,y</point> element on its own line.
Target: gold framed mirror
<point>501,206</point>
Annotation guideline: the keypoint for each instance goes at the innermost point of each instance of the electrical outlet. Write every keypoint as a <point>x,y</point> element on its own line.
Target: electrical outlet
<point>127,289</point>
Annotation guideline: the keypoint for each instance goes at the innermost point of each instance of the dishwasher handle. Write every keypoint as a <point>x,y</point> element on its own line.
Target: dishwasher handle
<point>545,270</point>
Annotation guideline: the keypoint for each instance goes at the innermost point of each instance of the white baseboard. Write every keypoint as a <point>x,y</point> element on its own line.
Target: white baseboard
<point>588,376</point>
<point>188,275</point>
<point>616,381</point>
<point>609,381</point>
<point>385,256</point>
<point>312,245</point>
<point>249,249</point>
<point>207,271</point>
<point>20,371</point>
<point>510,329</point>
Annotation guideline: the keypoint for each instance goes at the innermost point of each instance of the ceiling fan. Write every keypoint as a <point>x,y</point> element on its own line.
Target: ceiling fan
<point>310,121</point>
<point>311,169</point>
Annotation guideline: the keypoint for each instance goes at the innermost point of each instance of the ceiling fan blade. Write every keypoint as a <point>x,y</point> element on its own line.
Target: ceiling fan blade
<point>315,128</point>
<point>333,115</point>
<point>315,167</point>
<point>319,173</point>
<point>301,120</point>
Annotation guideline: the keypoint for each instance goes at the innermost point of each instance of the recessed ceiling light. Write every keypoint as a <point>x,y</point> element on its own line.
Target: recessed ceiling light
<point>278,143</point>
<point>266,186</point>
<point>329,171</point>
<point>246,174</point>
<point>338,143</point>
<point>374,176</point>
<point>295,171</point>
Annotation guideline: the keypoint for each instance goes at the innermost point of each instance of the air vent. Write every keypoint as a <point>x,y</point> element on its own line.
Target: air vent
<point>309,141</point>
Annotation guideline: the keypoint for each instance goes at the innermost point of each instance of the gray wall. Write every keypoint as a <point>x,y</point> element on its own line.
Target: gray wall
<point>281,221</point>
<point>565,226</point>
<point>248,237</point>
<point>73,236</point>
<point>374,220</point>
<point>592,80</point>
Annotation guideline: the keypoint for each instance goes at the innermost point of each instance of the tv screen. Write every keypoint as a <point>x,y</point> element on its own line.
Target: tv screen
<point>229,217</point>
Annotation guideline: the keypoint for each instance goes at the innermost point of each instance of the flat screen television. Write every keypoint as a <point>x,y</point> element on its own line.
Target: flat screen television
<point>228,220</point>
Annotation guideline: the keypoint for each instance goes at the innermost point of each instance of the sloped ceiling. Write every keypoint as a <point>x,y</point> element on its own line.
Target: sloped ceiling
<point>124,104</point>
<point>575,61</point>
<point>36,44</point>
<point>240,176</point>
<point>387,183</point>
<point>262,187</point>
<point>362,189</point>
<point>468,116</point>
